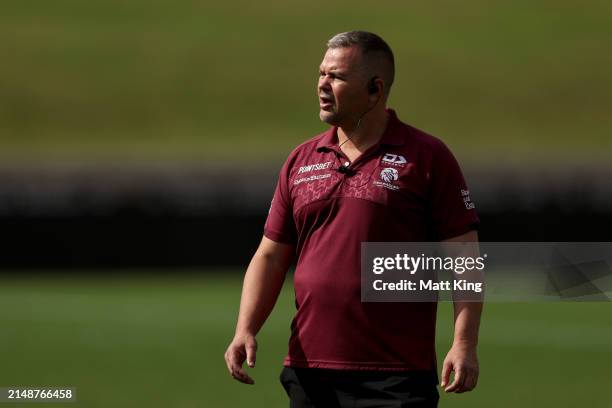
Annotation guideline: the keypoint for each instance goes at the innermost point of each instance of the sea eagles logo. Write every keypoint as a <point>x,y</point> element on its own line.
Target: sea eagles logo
<point>389,174</point>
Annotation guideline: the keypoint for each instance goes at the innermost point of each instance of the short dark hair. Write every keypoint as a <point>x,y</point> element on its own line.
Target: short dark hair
<point>369,43</point>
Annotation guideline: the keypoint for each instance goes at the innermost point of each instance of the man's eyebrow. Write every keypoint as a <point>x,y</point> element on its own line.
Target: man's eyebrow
<point>334,70</point>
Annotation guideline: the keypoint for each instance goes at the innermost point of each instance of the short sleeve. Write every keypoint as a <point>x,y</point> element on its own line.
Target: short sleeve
<point>280,226</point>
<point>451,208</point>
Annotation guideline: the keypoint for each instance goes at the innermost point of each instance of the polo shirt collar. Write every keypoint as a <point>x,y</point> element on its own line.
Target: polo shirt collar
<point>391,137</point>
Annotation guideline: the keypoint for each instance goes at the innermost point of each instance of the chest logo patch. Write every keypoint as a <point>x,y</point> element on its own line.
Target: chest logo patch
<point>389,175</point>
<point>395,159</point>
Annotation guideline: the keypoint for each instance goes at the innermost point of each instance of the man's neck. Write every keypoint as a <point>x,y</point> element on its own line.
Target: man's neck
<point>368,133</point>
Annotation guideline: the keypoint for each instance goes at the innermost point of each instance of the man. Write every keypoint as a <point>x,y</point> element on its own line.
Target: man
<point>369,177</point>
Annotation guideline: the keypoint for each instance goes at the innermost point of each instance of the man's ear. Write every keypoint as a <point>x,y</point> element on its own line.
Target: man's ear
<point>376,89</point>
<point>373,86</point>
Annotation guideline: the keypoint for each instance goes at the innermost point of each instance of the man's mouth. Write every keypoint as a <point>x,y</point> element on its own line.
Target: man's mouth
<point>325,103</point>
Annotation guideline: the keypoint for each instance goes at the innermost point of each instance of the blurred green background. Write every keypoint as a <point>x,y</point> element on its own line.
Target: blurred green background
<point>137,81</point>
<point>133,341</point>
<point>202,80</point>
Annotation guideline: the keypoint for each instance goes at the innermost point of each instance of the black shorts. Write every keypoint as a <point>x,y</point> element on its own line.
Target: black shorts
<point>310,387</point>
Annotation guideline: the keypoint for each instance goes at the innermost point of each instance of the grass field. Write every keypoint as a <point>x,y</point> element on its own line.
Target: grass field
<point>186,79</point>
<point>149,341</point>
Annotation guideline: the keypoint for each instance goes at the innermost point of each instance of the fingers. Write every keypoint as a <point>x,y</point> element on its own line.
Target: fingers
<point>458,380</point>
<point>464,380</point>
<point>446,370</point>
<point>234,359</point>
<point>466,385</point>
<point>238,373</point>
<point>471,379</point>
<point>251,351</point>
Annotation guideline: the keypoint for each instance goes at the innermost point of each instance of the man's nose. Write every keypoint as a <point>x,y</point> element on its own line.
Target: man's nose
<point>324,83</point>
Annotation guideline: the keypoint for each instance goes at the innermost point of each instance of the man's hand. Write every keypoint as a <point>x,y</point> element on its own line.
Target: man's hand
<point>462,360</point>
<point>263,281</point>
<point>243,347</point>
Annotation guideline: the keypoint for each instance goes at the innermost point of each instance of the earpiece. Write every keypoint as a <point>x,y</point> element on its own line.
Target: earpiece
<point>372,88</point>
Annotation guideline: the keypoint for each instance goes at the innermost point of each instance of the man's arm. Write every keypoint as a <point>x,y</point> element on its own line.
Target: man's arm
<point>462,357</point>
<point>263,281</point>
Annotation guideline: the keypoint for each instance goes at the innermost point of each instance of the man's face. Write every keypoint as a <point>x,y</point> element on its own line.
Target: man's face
<point>342,88</point>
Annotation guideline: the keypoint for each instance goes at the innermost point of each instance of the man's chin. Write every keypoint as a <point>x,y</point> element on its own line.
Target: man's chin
<point>328,117</point>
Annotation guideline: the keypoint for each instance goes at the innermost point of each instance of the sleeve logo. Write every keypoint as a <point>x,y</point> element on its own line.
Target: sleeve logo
<point>469,205</point>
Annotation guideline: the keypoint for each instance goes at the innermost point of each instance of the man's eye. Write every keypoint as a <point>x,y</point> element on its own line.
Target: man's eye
<point>330,75</point>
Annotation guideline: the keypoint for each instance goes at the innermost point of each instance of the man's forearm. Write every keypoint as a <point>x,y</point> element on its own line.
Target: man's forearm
<point>263,281</point>
<point>467,314</point>
<point>467,323</point>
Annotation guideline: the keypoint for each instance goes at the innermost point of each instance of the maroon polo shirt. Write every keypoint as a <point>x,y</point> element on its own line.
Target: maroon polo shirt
<point>407,187</point>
